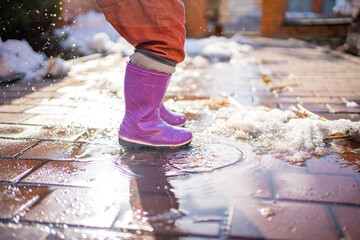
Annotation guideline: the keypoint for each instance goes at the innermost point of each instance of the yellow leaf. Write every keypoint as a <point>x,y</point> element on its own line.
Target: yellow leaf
<point>266,79</point>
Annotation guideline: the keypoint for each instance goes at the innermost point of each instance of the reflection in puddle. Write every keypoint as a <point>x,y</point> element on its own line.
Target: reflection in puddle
<point>205,154</point>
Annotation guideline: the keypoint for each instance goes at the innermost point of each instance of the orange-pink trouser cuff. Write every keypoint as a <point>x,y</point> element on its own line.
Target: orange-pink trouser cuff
<point>154,25</point>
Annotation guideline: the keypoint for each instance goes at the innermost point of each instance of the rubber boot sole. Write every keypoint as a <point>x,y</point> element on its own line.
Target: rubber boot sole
<point>132,144</point>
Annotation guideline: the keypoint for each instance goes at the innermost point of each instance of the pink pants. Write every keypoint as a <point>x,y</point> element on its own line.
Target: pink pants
<point>153,25</point>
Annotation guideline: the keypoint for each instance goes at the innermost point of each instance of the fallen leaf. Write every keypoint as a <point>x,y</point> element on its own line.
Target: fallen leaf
<point>266,79</point>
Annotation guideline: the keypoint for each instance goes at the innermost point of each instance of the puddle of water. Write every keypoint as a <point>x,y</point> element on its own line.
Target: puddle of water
<point>178,189</point>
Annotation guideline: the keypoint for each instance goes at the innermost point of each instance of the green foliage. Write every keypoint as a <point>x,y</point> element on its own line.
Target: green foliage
<point>32,20</point>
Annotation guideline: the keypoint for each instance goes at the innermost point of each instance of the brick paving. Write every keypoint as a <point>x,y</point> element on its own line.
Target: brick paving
<point>64,176</point>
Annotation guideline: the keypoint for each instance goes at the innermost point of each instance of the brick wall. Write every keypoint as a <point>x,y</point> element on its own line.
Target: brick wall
<point>196,18</point>
<point>272,24</point>
<point>273,12</point>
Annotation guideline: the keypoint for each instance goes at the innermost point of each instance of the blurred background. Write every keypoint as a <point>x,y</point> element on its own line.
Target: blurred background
<point>319,21</point>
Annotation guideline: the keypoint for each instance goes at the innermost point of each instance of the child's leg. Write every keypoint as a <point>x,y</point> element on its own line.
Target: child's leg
<point>156,26</point>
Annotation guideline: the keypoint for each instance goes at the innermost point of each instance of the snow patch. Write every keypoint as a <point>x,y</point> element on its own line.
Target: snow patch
<point>217,48</point>
<point>18,58</point>
<point>292,138</point>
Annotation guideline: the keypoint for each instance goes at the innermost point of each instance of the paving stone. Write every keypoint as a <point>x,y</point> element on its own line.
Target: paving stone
<point>97,135</point>
<point>10,148</point>
<point>349,220</point>
<point>348,164</point>
<point>335,93</point>
<point>11,130</point>
<point>309,187</point>
<point>14,199</point>
<point>52,110</point>
<point>40,132</point>
<point>81,207</point>
<point>247,184</point>
<point>48,120</point>
<point>337,116</point>
<point>14,93</point>
<point>56,133</point>
<point>269,162</point>
<point>40,94</point>
<point>162,214</point>
<point>102,234</point>
<point>312,100</point>
<point>21,232</point>
<point>13,100</point>
<point>338,108</point>
<point>89,174</point>
<point>13,169</point>
<point>280,220</point>
<point>14,117</point>
<point>14,108</point>
<point>55,151</point>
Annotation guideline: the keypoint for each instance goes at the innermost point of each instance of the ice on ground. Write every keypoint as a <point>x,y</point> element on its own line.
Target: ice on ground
<point>18,58</point>
<point>91,33</point>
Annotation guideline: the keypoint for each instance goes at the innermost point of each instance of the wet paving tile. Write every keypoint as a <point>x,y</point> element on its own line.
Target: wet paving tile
<point>10,148</point>
<point>40,94</point>
<point>349,220</point>
<point>309,187</point>
<point>14,199</point>
<point>14,117</point>
<point>319,100</point>
<point>55,133</point>
<point>51,110</point>
<point>337,116</point>
<point>50,150</point>
<point>280,220</point>
<point>48,120</point>
<point>11,130</point>
<point>13,169</point>
<point>17,231</point>
<point>81,207</point>
<point>268,162</point>
<point>348,164</point>
<point>40,132</point>
<point>335,93</point>
<point>102,234</point>
<point>317,108</point>
<point>97,135</point>
<point>337,108</point>
<point>247,184</point>
<point>163,213</point>
<point>90,174</point>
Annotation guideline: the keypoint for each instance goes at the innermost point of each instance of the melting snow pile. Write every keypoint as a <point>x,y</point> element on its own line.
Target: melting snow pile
<point>17,59</point>
<point>283,132</point>
<point>218,48</point>
<point>91,33</point>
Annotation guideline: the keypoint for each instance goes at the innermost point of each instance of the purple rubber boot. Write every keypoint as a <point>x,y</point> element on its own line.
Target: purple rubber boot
<point>172,118</point>
<point>142,125</point>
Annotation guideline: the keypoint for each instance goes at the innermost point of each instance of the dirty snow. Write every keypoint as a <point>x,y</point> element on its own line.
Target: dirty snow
<point>281,132</point>
<point>18,58</point>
